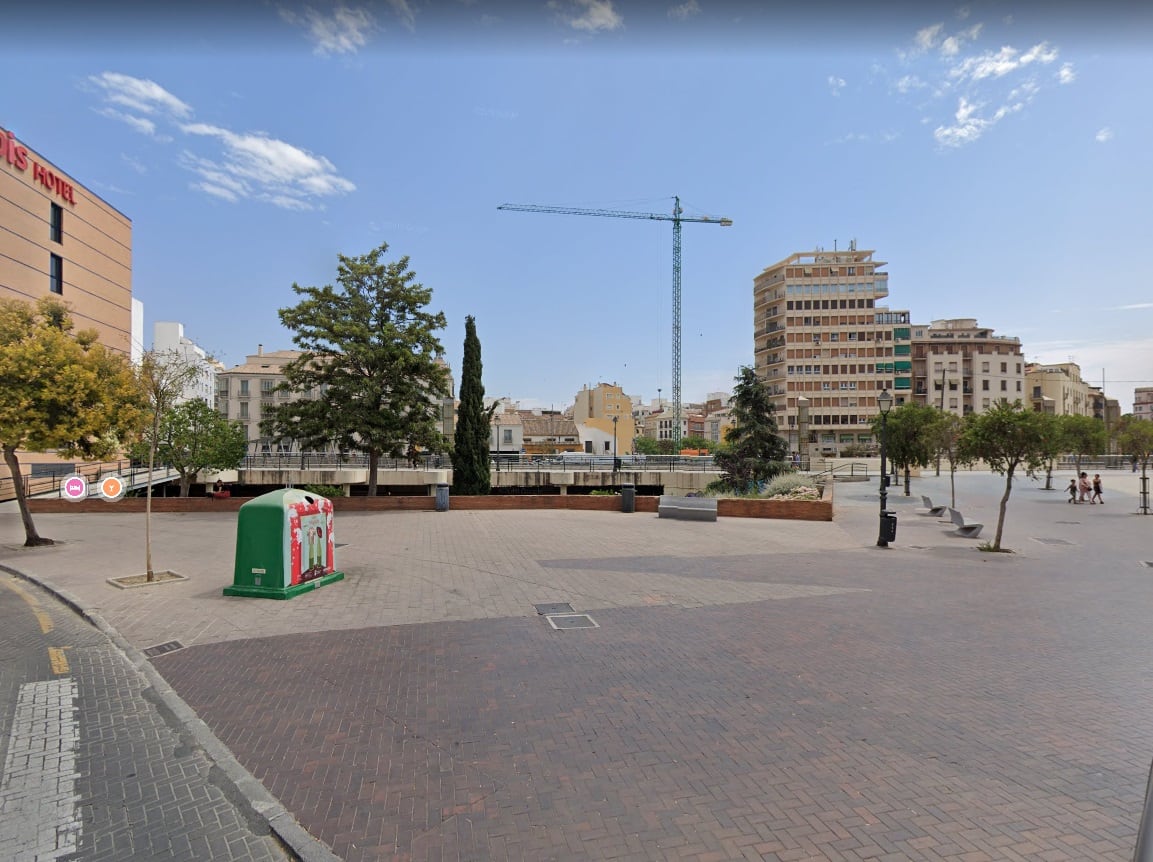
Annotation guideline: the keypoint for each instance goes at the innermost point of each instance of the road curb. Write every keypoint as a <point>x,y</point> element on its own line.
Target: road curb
<point>241,786</point>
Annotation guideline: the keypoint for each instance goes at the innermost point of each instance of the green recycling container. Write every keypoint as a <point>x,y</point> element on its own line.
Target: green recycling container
<point>284,545</point>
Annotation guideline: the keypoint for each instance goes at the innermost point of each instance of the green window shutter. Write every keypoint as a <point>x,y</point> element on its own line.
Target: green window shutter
<point>902,382</point>
<point>902,350</point>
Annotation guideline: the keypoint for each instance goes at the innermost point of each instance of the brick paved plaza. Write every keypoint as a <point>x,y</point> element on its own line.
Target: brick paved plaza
<point>753,690</point>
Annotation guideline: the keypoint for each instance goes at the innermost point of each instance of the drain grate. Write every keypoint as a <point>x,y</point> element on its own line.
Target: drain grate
<point>1076,523</point>
<point>572,621</point>
<point>1045,541</point>
<point>161,649</point>
<point>557,608</point>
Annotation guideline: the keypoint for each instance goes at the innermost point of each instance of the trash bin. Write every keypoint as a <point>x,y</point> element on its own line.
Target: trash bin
<point>442,497</point>
<point>889,526</point>
<point>628,498</point>
<point>284,545</point>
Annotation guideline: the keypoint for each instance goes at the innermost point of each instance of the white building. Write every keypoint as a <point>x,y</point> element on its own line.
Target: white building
<point>168,338</point>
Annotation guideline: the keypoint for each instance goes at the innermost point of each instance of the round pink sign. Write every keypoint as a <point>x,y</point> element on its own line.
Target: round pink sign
<point>74,488</point>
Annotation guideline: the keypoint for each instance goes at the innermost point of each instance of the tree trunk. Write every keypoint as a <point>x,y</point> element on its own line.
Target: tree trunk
<point>148,499</point>
<point>1003,508</point>
<point>185,481</point>
<point>908,492</point>
<point>1049,475</point>
<point>31,537</point>
<point>373,460</point>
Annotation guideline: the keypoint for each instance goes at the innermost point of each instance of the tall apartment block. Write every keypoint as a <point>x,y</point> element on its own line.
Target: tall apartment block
<point>964,368</point>
<point>822,340</point>
<point>1143,402</point>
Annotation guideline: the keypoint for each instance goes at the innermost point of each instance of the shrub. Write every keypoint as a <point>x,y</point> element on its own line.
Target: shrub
<point>324,490</point>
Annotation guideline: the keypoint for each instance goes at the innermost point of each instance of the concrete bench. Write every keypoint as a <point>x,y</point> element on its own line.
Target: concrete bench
<point>687,508</point>
<point>966,529</point>
<point>935,511</point>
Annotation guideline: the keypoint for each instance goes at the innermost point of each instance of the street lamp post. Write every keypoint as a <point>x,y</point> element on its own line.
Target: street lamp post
<point>616,463</point>
<point>884,404</point>
<point>498,447</point>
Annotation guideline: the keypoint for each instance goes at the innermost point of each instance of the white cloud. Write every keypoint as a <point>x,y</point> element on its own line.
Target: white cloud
<point>404,12</point>
<point>968,126</point>
<point>140,124</point>
<point>1066,75</point>
<point>139,94</point>
<point>836,85</point>
<point>908,83</point>
<point>345,31</point>
<point>1104,136</point>
<point>927,38</point>
<point>686,10</point>
<point>1134,307</point>
<point>258,166</point>
<point>997,64</point>
<point>593,16</point>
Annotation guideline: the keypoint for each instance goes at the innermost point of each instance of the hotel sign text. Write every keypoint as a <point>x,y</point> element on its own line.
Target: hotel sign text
<point>16,155</point>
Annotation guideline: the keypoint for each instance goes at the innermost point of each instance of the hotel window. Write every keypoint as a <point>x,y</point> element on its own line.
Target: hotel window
<point>56,230</point>
<point>56,274</point>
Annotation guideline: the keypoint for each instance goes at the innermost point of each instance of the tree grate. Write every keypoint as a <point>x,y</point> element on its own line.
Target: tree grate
<point>571,621</point>
<point>1046,541</point>
<point>161,649</point>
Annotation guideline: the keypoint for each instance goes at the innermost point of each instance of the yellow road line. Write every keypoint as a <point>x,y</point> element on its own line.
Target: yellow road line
<point>42,617</point>
<point>58,660</point>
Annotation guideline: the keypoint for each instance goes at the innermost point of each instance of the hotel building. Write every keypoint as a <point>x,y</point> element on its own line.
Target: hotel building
<point>59,239</point>
<point>823,341</point>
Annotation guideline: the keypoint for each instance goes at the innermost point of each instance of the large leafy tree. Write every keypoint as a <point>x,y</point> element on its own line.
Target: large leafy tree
<point>471,473</point>
<point>61,390</point>
<point>194,437</point>
<point>369,378</point>
<point>1083,436</point>
<point>911,437</point>
<point>754,452</point>
<point>1006,437</point>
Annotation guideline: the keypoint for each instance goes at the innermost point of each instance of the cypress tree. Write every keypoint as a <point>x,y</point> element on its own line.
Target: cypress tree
<point>470,468</point>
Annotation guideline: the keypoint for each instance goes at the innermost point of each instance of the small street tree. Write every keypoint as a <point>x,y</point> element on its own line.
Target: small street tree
<point>370,377</point>
<point>471,473</point>
<point>1055,444</point>
<point>61,390</point>
<point>754,452</point>
<point>911,437</point>
<point>163,377</point>
<point>1084,436</point>
<point>946,441</point>
<point>1134,438</point>
<point>1005,437</point>
<point>194,437</point>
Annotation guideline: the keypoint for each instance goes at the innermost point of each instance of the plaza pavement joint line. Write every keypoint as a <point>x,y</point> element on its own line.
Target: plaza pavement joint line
<point>239,785</point>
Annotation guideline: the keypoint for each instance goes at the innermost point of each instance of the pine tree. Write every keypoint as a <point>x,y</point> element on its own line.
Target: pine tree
<point>753,450</point>
<point>470,467</point>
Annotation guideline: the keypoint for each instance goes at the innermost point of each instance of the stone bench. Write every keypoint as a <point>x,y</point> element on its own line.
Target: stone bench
<point>935,511</point>
<point>964,528</point>
<point>687,508</point>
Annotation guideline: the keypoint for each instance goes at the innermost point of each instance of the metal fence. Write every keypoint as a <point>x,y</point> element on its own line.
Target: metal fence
<point>131,472</point>
<point>500,462</point>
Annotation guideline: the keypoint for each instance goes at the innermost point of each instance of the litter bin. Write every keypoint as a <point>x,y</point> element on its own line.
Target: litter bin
<point>284,545</point>
<point>889,526</point>
<point>442,497</point>
<point>628,498</point>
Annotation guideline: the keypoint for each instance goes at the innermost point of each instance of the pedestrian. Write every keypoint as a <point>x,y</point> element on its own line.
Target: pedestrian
<point>1084,487</point>
<point>1072,489</point>
<point>1097,498</point>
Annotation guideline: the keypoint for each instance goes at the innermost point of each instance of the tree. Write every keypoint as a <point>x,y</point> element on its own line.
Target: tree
<point>163,377</point>
<point>754,452</point>
<point>1005,437</point>
<point>1055,444</point>
<point>60,390</point>
<point>1135,438</point>
<point>1083,436</point>
<point>697,442</point>
<point>646,446</point>
<point>911,434</point>
<point>470,459</point>
<point>194,437</point>
<point>945,440</point>
<point>370,355</point>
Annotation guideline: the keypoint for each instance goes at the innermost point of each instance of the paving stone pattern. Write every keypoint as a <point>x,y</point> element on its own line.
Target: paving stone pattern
<point>974,708</point>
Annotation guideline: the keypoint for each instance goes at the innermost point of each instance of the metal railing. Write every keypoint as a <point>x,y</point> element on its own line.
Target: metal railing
<point>855,470</point>
<point>502,461</point>
<point>132,473</point>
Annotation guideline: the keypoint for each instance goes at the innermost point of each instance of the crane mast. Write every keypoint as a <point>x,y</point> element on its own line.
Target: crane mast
<point>676,218</point>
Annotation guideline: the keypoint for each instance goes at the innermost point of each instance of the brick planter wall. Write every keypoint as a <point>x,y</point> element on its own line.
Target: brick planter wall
<point>793,510</point>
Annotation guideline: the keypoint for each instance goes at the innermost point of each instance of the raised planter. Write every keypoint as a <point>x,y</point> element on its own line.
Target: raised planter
<point>792,510</point>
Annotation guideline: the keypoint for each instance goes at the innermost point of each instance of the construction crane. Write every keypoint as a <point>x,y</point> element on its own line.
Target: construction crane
<point>676,218</point>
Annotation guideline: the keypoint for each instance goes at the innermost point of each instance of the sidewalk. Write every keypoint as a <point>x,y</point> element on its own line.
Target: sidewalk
<point>804,661</point>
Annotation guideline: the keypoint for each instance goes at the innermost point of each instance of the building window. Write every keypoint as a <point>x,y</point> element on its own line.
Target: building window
<point>243,409</point>
<point>56,273</point>
<point>56,229</point>
<point>266,387</point>
<point>985,385</point>
<point>243,388</point>
<point>1004,385</point>
<point>1004,367</point>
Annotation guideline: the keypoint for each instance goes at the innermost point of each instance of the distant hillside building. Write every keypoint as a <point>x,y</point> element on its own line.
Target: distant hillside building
<point>962,368</point>
<point>820,333</point>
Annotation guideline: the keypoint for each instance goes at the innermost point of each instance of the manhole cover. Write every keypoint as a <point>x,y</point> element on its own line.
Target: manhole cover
<point>558,608</point>
<point>1045,541</point>
<point>161,649</point>
<point>572,621</point>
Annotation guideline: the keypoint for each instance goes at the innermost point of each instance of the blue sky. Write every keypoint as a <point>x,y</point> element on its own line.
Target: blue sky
<point>997,155</point>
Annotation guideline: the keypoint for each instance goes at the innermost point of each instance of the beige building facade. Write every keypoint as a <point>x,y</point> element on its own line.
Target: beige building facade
<point>821,333</point>
<point>963,368</point>
<point>1059,389</point>
<point>1143,402</point>
<point>604,415</point>
<point>61,240</point>
<point>246,393</point>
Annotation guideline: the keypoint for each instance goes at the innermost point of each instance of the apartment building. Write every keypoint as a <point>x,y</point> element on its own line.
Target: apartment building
<point>604,415</point>
<point>61,240</point>
<point>168,339</point>
<point>247,392</point>
<point>1143,402</point>
<point>1059,389</point>
<point>964,368</point>
<point>821,333</point>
